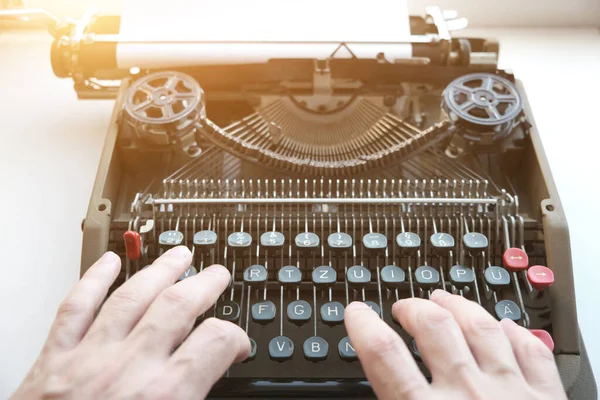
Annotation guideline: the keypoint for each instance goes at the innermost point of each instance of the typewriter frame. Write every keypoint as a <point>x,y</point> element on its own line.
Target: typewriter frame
<point>571,355</point>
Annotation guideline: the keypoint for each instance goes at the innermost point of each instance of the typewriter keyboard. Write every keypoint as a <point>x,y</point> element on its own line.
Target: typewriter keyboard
<point>297,262</point>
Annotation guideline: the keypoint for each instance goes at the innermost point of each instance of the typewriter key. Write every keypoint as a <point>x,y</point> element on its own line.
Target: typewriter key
<point>239,240</point>
<point>332,312</point>
<point>299,311</point>
<point>358,276</point>
<point>289,275</point>
<point>307,241</point>
<point>427,276</point>
<point>374,307</point>
<point>515,260</point>
<point>204,241</point>
<point>169,239</point>
<point>263,311</point>
<point>497,277</point>
<point>408,242</point>
<point>375,242</point>
<point>461,276</point>
<point>346,350</point>
<point>315,348</point>
<point>256,275</point>
<point>228,311</point>
<point>540,277</point>
<point>324,276</point>
<point>392,276</point>
<point>544,336</point>
<point>508,309</point>
<point>281,348</point>
<point>272,240</point>
<point>133,245</point>
<point>442,243</point>
<point>475,243</point>
<point>191,271</point>
<point>339,241</point>
<point>253,348</point>
<point>414,350</point>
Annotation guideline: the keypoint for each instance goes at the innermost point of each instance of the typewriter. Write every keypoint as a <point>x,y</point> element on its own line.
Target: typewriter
<point>324,172</point>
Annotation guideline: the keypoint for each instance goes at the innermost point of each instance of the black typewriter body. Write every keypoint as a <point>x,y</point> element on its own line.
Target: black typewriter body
<point>318,182</point>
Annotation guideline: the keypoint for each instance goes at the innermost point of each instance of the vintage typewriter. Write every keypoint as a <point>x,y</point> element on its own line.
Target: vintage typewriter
<point>325,172</point>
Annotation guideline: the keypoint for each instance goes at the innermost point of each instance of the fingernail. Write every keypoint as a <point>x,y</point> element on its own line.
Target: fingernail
<point>108,257</point>
<point>180,252</point>
<point>439,293</point>
<point>357,305</point>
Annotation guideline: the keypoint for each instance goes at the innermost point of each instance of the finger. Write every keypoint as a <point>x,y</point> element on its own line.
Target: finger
<point>534,357</point>
<point>203,358</point>
<point>441,343</point>
<point>77,311</point>
<point>383,355</point>
<point>486,338</point>
<point>129,302</point>
<point>171,316</point>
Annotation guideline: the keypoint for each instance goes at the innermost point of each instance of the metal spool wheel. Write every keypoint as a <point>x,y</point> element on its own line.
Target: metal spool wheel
<point>165,104</point>
<point>485,102</point>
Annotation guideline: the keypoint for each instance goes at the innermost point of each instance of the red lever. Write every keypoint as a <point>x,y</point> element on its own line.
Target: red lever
<point>515,260</point>
<point>540,277</point>
<point>133,244</point>
<point>544,337</point>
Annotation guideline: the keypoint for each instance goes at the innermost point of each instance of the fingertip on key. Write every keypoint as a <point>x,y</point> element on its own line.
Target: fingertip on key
<point>438,294</point>
<point>219,270</point>
<point>356,305</point>
<point>179,252</point>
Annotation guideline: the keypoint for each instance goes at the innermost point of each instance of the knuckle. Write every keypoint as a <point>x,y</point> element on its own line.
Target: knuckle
<point>124,298</point>
<point>150,329</point>
<point>71,307</point>
<point>431,318</point>
<point>177,298</point>
<point>381,345</point>
<point>221,331</point>
<point>480,325</point>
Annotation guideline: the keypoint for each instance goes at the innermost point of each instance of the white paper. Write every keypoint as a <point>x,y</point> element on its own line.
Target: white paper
<point>155,24</point>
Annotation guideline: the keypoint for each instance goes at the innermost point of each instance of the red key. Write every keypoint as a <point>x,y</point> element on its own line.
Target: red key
<point>515,260</point>
<point>133,244</point>
<point>540,277</point>
<point>544,337</point>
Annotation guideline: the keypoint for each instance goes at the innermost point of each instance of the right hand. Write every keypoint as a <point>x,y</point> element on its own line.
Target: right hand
<point>470,355</point>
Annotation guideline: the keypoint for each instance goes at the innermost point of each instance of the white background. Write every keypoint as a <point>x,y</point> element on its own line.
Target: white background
<point>50,145</point>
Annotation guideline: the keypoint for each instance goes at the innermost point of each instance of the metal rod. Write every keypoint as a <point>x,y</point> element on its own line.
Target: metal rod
<point>404,200</point>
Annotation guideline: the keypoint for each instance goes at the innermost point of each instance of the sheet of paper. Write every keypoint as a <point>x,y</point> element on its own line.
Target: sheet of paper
<point>195,26</point>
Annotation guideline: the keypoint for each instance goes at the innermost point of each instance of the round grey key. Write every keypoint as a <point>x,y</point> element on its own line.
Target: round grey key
<point>315,348</point>
<point>508,309</point>
<point>375,242</point>
<point>272,239</point>
<point>442,242</point>
<point>497,277</point>
<point>228,310</point>
<point>475,242</point>
<point>307,241</point>
<point>374,306</point>
<point>289,275</point>
<point>256,275</point>
<point>205,240</point>
<point>324,275</point>
<point>461,276</point>
<point>253,348</point>
<point>332,312</point>
<point>281,348</point>
<point>346,350</point>
<point>339,241</point>
<point>358,276</point>
<point>191,271</point>
<point>299,311</point>
<point>392,276</point>
<point>408,242</point>
<point>414,350</point>
<point>239,240</point>
<point>170,239</point>
<point>427,276</point>
<point>263,311</point>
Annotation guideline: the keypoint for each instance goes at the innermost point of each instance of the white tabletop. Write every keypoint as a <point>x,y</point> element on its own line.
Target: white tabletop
<point>51,145</point>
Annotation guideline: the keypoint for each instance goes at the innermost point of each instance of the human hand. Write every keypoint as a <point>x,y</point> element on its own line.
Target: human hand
<point>127,350</point>
<point>470,355</point>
